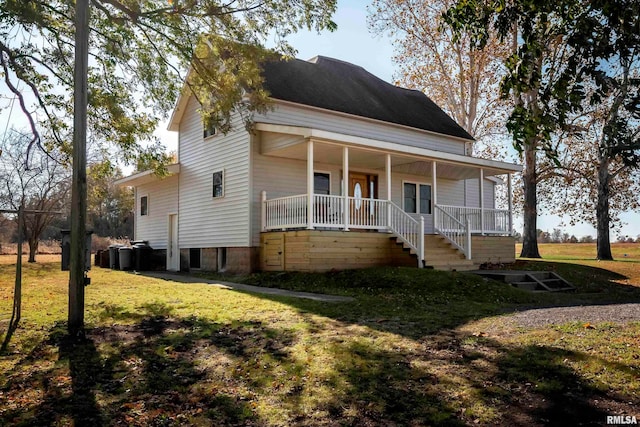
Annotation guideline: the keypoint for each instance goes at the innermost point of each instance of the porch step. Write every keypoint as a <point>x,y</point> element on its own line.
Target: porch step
<point>440,255</point>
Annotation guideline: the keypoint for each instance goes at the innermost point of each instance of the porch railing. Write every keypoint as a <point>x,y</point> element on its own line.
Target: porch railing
<point>328,211</point>
<point>368,213</point>
<point>454,230</point>
<point>407,229</point>
<point>486,221</point>
<point>285,212</point>
<point>455,223</point>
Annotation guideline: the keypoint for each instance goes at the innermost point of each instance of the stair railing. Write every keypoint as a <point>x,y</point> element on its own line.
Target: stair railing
<point>455,231</point>
<point>408,230</point>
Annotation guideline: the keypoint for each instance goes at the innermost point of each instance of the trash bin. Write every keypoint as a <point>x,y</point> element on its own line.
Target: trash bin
<point>104,259</point>
<point>125,255</point>
<point>66,250</point>
<point>113,256</point>
<point>142,254</point>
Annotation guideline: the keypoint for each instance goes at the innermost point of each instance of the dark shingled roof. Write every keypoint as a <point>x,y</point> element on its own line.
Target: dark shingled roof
<point>340,86</point>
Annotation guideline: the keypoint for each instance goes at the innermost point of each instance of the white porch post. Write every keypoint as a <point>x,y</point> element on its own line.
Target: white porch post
<point>482,201</point>
<point>310,190</point>
<point>263,207</point>
<point>387,171</point>
<point>345,186</point>
<point>510,201</point>
<point>434,185</point>
<point>421,244</point>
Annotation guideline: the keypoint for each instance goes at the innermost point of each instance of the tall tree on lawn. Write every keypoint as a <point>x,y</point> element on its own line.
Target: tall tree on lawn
<point>557,47</point>
<point>136,56</point>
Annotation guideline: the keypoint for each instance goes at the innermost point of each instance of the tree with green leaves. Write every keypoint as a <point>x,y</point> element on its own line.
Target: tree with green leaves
<point>600,155</point>
<point>140,52</point>
<point>126,61</point>
<point>557,46</point>
<point>109,206</point>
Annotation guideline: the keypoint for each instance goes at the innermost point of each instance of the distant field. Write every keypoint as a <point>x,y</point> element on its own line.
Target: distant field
<point>573,251</point>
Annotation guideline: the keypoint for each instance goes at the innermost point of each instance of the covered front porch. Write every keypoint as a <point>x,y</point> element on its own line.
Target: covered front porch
<point>402,190</point>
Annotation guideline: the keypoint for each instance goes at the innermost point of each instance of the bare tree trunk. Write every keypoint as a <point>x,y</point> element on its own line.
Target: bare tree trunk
<point>33,249</point>
<point>530,208</point>
<point>602,211</point>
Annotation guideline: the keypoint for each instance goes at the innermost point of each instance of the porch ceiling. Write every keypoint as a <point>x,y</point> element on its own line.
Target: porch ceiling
<point>327,153</point>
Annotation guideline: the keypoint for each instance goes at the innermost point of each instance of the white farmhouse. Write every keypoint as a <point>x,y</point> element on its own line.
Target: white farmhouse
<point>346,171</point>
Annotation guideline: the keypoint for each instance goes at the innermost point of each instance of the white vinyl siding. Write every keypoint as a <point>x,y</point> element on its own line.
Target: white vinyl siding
<point>450,192</point>
<point>489,194</point>
<point>162,199</point>
<point>207,221</point>
<point>286,114</point>
<point>473,193</point>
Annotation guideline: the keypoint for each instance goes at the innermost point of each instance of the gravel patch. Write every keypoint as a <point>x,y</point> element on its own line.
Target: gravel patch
<point>615,313</point>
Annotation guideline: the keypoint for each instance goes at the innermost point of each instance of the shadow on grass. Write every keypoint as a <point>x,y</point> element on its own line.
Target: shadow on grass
<point>152,372</point>
<point>167,370</point>
<point>157,368</point>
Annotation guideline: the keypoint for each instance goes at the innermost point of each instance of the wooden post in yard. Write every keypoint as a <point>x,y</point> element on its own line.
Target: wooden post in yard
<point>17,299</point>
<point>79,180</point>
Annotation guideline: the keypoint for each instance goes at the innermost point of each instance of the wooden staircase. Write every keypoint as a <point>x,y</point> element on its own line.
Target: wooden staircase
<point>535,281</point>
<point>440,254</point>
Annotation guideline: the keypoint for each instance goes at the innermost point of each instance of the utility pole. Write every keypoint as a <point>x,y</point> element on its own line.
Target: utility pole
<point>79,183</point>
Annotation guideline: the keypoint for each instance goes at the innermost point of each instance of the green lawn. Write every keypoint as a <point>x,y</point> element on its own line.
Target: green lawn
<point>416,347</point>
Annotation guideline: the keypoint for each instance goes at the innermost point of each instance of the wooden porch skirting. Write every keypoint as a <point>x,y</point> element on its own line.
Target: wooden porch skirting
<point>493,249</point>
<point>323,250</point>
<point>320,250</point>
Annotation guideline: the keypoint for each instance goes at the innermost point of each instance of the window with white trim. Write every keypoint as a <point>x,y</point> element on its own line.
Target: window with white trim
<point>144,205</point>
<point>218,184</point>
<point>208,130</point>
<point>416,198</point>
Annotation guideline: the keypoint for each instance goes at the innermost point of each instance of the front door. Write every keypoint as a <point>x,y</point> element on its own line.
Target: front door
<point>359,185</point>
<point>173,252</point>
<point>363,188</point>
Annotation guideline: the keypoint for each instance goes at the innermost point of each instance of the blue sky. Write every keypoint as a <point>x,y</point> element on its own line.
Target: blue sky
<point>353,42</point>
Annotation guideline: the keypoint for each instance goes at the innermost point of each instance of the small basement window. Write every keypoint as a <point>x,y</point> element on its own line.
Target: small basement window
<point>222,259</point>
<point>218,184</point>
<point>144,205</point>
<point>195,260</point>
